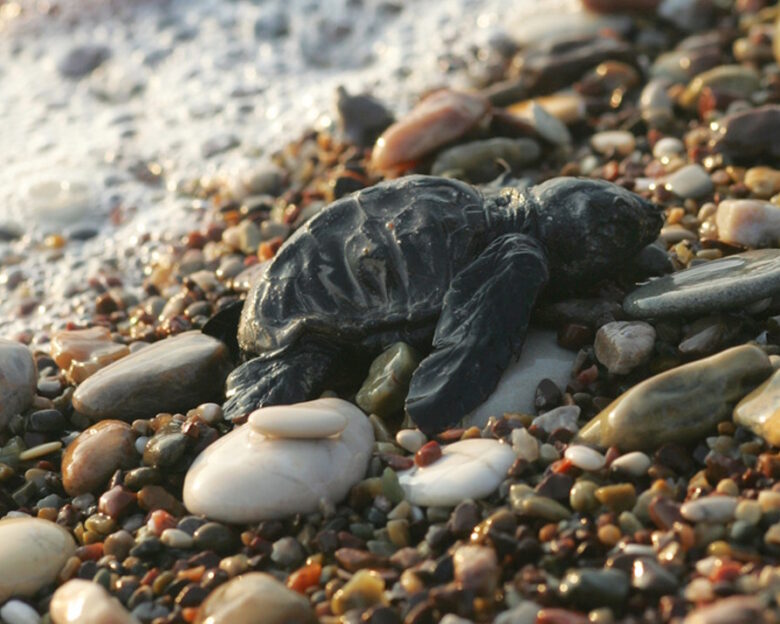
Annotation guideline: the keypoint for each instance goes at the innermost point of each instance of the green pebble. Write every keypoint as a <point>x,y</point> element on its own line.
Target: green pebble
<point>385,389</point>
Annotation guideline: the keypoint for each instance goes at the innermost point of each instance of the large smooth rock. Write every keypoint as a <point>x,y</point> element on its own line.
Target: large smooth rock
<point>541,358</point>
<point>17,379</point>
<point>98,452</point>
<point>467,469</point>
<point>722,284</point>
<point>32,553</point>
<point>172,375</point>
<point>759,411</point>
<point>85,602</point>
<point>679,405</point>
<point>247,476</point>
<point>255,598</point>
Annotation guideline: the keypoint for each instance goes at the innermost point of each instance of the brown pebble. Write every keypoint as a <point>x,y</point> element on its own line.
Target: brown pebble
<point>91,459</point>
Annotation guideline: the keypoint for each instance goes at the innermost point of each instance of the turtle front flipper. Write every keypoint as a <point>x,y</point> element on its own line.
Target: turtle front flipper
<point>299,373</point>
<point>483,322</point>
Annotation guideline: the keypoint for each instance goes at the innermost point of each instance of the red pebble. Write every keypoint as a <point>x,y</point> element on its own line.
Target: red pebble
<point>305,577</point>
<point>159,520</point>
<point>428,453</point>
<point>90,552</point>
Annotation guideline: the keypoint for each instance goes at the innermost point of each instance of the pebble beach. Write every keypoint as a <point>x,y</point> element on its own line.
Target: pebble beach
<point>158,158</point>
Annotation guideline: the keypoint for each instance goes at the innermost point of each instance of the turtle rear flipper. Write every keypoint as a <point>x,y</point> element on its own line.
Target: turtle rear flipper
<point>483,322</point>
<point>299,373</point>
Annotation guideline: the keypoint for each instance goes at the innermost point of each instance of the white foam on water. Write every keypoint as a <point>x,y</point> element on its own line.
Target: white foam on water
<point>185,77</point>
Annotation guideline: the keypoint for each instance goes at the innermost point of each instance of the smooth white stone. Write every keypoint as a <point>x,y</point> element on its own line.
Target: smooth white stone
<point>410,439</point>
<point>621,346</point>
<point>85,602</point>
<point>467,469</point>
<point>667,147</point>
<point>541,358</point>
<point>525,445</point>
<point>248,477</point>
<point>565,417</point>
<point>748,222</point>
<point>309,420</point>
<point>32,553</point>
<point>635,463</point>
<point>18,612</point>
<point>620,141</point>
<point>689,182</point>
<point>584,457</point>
<point>710,509</point>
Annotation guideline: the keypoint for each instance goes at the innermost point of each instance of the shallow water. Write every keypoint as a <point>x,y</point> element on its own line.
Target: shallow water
<point>192,89</point>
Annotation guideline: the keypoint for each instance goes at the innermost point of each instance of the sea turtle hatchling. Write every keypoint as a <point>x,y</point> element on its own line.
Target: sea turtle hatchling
<point>434,262</point>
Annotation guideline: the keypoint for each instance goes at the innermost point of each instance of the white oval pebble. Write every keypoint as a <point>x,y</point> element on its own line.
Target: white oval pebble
<point>690,182</point>
<point>410,439</point>
<point>585,458</point>
<point>715,509</point>
<point>467,469</point>
<point>620,141</point>
<point>309,420</point>
<point>635,463</point>
<point>85,602</point>
<point>18,612</point>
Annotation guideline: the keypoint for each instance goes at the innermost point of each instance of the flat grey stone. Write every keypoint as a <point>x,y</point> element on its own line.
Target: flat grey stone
<point>717,285</point>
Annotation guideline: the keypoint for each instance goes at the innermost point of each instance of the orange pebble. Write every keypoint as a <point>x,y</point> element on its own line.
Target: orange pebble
<point>305,577</point>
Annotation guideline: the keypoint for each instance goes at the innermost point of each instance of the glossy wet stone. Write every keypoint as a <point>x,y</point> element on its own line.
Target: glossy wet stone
<point>748,222</point>
<point>85,602</point>
<point>385,388</point>
<point>759,411</point>
<point>738,80</point>
<point>254,597</point>
<point>440,118</point>
<point>90,460</point>
<point>467,469</point>
<point>763,181</point>
<point>721,284</point>
<point>171,375</point>
<point>32,553</point>
<point>82,352</point>
<point>680,405</point>
<point>17,379</point>
<point>621,346</point>
<point>247,477</point>
<point>541,358</point>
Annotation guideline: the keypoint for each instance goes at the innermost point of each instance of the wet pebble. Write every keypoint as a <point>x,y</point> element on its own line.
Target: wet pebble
<point>476,568</point>
<point>18,612</point>
<point>763,181</point>
<point>564,417</point>
<point>410,439</point>
<point>714,509</point>
<point>679,405</point>
<point>82,352</point>
<point>634,464</point>
<point>82,60</point>
<point>438,119</point>
<point>617,142</point>
<point>91,459</point>
<point>731,610</point>
<point>585,458</point>
<point>591,588</point>
<point>483,161</point>
<point>387,384</point>
<point>749,133</point>
<point>720,284</point>
<point>171,375</point>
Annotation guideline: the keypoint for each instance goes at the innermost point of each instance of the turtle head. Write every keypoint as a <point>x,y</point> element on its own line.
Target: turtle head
<point>591,228</point>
